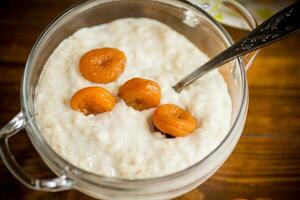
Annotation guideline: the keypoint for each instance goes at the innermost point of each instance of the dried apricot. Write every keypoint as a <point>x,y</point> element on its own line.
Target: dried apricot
<point>92,100</point>
<point>173,120</point>
<point>140,93</point>
<point>102,65</point>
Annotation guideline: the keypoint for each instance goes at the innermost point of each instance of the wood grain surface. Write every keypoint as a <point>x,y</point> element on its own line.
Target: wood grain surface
<point>266,162</point>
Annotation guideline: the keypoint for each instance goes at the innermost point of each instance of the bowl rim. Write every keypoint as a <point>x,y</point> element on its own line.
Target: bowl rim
<point>76,173</point>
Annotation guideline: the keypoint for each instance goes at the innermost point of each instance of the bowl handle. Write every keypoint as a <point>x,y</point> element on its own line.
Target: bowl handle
<point>14,126</point>
<point>252,24</point>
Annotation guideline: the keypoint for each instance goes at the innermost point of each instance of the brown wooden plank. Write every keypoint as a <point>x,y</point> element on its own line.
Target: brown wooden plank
<point>265,165</point>
<point>276,72</point>
<point>273,110</point>
<point>11,73</point>
<point>261,166</point>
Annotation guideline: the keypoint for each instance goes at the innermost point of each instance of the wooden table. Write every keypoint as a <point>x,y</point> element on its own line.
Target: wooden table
<point>266,161</point>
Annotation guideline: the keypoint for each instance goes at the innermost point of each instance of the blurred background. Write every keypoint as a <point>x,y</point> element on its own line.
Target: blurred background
<point>266,162</point>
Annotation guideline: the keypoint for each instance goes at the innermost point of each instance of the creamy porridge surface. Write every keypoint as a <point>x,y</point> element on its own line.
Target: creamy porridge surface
<point>123,142</point>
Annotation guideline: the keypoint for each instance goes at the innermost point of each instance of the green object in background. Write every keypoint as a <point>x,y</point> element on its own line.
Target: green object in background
<point>264,13</point>
<point>261,10</point>
<point>218,16</point>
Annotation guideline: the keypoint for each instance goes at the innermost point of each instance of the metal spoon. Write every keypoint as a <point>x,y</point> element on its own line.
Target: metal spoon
<point>275,28</point>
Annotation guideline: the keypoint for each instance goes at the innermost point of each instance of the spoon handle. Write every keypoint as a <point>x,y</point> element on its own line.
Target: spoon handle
<point>272,30</point>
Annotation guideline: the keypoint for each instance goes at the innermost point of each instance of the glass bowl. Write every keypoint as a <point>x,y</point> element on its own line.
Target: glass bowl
<point>183,16</point>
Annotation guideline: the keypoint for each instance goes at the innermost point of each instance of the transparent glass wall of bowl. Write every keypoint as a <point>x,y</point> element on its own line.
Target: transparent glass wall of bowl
<point>185,18</point>
<point>236,7</point>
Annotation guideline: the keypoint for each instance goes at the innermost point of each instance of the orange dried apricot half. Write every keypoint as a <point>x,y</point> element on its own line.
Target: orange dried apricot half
<point>102,65</point>
<point>173,120</point>
<point>92,100</point>
<point>140,93</point>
